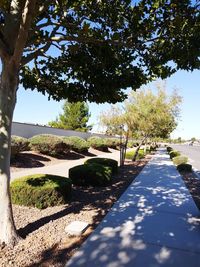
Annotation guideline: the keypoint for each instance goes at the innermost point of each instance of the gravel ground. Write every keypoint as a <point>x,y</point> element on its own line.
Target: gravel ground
<point>193,184</point>
<point>44,242</point>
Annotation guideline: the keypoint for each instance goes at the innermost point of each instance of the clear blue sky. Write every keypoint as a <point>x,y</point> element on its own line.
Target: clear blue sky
<point>33,107</point>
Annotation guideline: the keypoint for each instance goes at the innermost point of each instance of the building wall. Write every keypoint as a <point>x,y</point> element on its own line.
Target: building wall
<point>28,130</point>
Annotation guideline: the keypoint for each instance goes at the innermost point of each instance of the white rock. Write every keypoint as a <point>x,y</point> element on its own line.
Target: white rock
<point>76,228</point>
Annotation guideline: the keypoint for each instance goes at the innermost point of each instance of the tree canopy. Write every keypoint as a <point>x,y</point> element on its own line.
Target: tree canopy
<point>100,47</point>
<point>145,114</point>
<point>75,117</point>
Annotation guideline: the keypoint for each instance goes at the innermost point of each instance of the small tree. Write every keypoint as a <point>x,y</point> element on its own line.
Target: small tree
<point>146,114</point>
<point>75,117</point>
<point>155,115</point>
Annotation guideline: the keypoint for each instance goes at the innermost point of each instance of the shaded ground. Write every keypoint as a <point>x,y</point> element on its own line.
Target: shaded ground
<point>31,159</point>
<point>45,242</point>
<point>193,184</point>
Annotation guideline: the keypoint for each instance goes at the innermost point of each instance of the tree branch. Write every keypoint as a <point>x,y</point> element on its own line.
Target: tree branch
<point>25,24</point>
<point>39,52</point>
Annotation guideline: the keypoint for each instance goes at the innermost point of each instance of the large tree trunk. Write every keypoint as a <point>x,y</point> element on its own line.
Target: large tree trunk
<point>8,88</point>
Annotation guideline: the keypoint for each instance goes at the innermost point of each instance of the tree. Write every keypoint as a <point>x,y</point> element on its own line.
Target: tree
<point>100,48</point>
<point>146,114</point>
<point>152,115</point>
<point>112,120</point>
<point>75,117</point>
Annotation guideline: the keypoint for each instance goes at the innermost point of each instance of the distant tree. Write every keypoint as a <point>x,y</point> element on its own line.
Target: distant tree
<point>179,140</point>
<point>112,120</point>
<point>193,139</point>
<point>146,114</point>
<point>75,117</point>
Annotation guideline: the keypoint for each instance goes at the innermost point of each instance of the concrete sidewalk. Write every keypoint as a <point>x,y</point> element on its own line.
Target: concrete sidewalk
<point>61,169</point>
<point>154,223</point>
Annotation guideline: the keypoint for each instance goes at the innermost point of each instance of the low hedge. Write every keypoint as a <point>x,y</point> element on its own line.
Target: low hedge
<point>18,144</point>
<point>169,149</point>
<point>130,154</point>
<point>106,162</point>
<point>180,160</point>
<point>41,190</point>
<point>98,143</point>
<point>174,154</point>
<point>77,144</point>
<point>91,174</point>
<point>49,144</point>
<point>112,142</point>
<point>184,167</point>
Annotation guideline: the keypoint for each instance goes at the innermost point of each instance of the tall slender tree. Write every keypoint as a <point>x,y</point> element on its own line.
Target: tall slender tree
<point>75,117</point>
<point>100,48</point>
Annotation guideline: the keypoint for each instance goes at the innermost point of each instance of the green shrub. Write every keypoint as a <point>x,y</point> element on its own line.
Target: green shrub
<point>41,190</point>
<point>91,174</point>
<point>77,144</point>
<point>97,143</point>
<point>184,167</point>
<point>106,162</point>
<point>130,154</point>
<point>18,144</point>
<point>49,144</point>
<point>174,154</point>
<point>180,160</point>
<point>132,144</point>
<point>112,142</point>
<point>152,148</point>
<point>169,149</point>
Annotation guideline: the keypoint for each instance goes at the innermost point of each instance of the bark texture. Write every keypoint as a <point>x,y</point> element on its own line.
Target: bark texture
<point>137,149</point>
<point>8,88</point>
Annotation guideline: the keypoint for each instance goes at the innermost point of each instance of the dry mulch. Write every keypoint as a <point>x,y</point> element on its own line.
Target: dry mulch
<point>193,184</point>
<point>45,242</point>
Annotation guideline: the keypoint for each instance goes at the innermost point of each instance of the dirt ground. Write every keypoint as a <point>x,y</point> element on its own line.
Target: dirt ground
<point>193,184</point>
<point>44,241</point>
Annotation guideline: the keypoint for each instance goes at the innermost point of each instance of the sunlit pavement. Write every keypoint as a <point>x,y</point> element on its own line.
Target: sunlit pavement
<point>154,223</point>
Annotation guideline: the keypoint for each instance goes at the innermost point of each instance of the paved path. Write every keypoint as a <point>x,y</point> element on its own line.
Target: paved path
<point>61,168</point>
<point>155,223</point>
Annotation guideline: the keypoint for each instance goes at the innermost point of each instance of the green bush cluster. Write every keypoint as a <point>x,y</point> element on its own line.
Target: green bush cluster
<point>152,148</point>
<point>184,167</point>
<point>18,144</point>
<point>112,142</point>
<point>174,154</point>
<point>106,162</point>
<point>169,149</point>
<point>180,160</point>
<point>91,174</point>
<point>97,143</point>
<point>49,144</point>
<point>77,144</point>
<point>41,190</point>
<point>130,154</point>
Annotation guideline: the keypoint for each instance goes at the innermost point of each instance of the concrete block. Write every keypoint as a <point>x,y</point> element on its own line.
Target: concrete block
<point>76,228</point>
